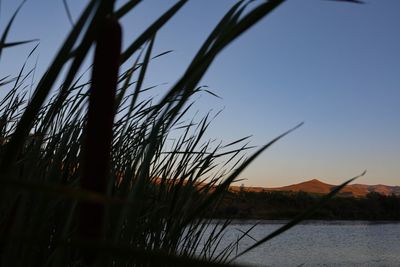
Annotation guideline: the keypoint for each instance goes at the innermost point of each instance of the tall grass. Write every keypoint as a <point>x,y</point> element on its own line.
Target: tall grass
<point>80,189</point>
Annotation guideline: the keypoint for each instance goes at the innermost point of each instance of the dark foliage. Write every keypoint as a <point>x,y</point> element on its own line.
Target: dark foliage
<point>286,205</point>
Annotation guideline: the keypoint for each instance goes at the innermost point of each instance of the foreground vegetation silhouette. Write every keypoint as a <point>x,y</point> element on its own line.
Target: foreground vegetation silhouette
<point>103,187</point>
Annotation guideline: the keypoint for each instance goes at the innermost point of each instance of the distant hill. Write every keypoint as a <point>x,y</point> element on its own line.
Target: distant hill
<point>316,186</point>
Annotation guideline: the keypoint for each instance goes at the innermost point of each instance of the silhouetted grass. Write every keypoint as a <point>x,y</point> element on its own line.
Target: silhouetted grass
<point>141,202</point>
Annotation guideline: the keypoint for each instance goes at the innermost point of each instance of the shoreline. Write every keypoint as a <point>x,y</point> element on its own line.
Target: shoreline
<point>310,221</point>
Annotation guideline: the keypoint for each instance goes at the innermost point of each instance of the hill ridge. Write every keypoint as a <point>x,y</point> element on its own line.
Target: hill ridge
<point>317,186</point>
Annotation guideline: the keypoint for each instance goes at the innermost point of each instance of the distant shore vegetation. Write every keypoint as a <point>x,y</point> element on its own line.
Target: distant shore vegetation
<point>271,205</point>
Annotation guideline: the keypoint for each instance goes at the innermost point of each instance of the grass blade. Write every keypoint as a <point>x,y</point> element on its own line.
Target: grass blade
<point>8,27</point>
<point>151,31</point>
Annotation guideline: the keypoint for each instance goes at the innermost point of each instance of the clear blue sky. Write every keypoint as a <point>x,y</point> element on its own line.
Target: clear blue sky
<point>335,66</point>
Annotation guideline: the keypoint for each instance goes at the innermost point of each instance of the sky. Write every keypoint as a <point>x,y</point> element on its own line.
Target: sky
<point>334,66</point>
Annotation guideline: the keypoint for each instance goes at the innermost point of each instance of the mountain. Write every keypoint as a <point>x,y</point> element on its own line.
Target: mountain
<point>316,186</point>
<point>312,186</point>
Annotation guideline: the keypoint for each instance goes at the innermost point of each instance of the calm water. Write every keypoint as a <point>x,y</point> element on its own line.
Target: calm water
<point>337,243</point>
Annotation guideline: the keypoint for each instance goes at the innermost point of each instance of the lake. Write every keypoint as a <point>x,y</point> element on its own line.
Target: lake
<point>322,243</point>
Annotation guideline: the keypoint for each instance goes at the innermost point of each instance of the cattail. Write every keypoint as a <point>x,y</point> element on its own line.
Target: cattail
<point>97,145</point>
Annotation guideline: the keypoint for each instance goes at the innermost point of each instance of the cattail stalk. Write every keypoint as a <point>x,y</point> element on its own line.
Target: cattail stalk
<point>97,145</point>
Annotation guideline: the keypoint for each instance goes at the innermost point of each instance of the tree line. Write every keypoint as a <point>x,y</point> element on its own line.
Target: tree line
<point>286,205</point>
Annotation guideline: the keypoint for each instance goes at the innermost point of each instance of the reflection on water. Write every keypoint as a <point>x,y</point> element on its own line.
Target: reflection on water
<point>316,243</point>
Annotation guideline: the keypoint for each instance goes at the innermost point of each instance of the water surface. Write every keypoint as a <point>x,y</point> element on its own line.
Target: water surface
<point>321,243</point>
